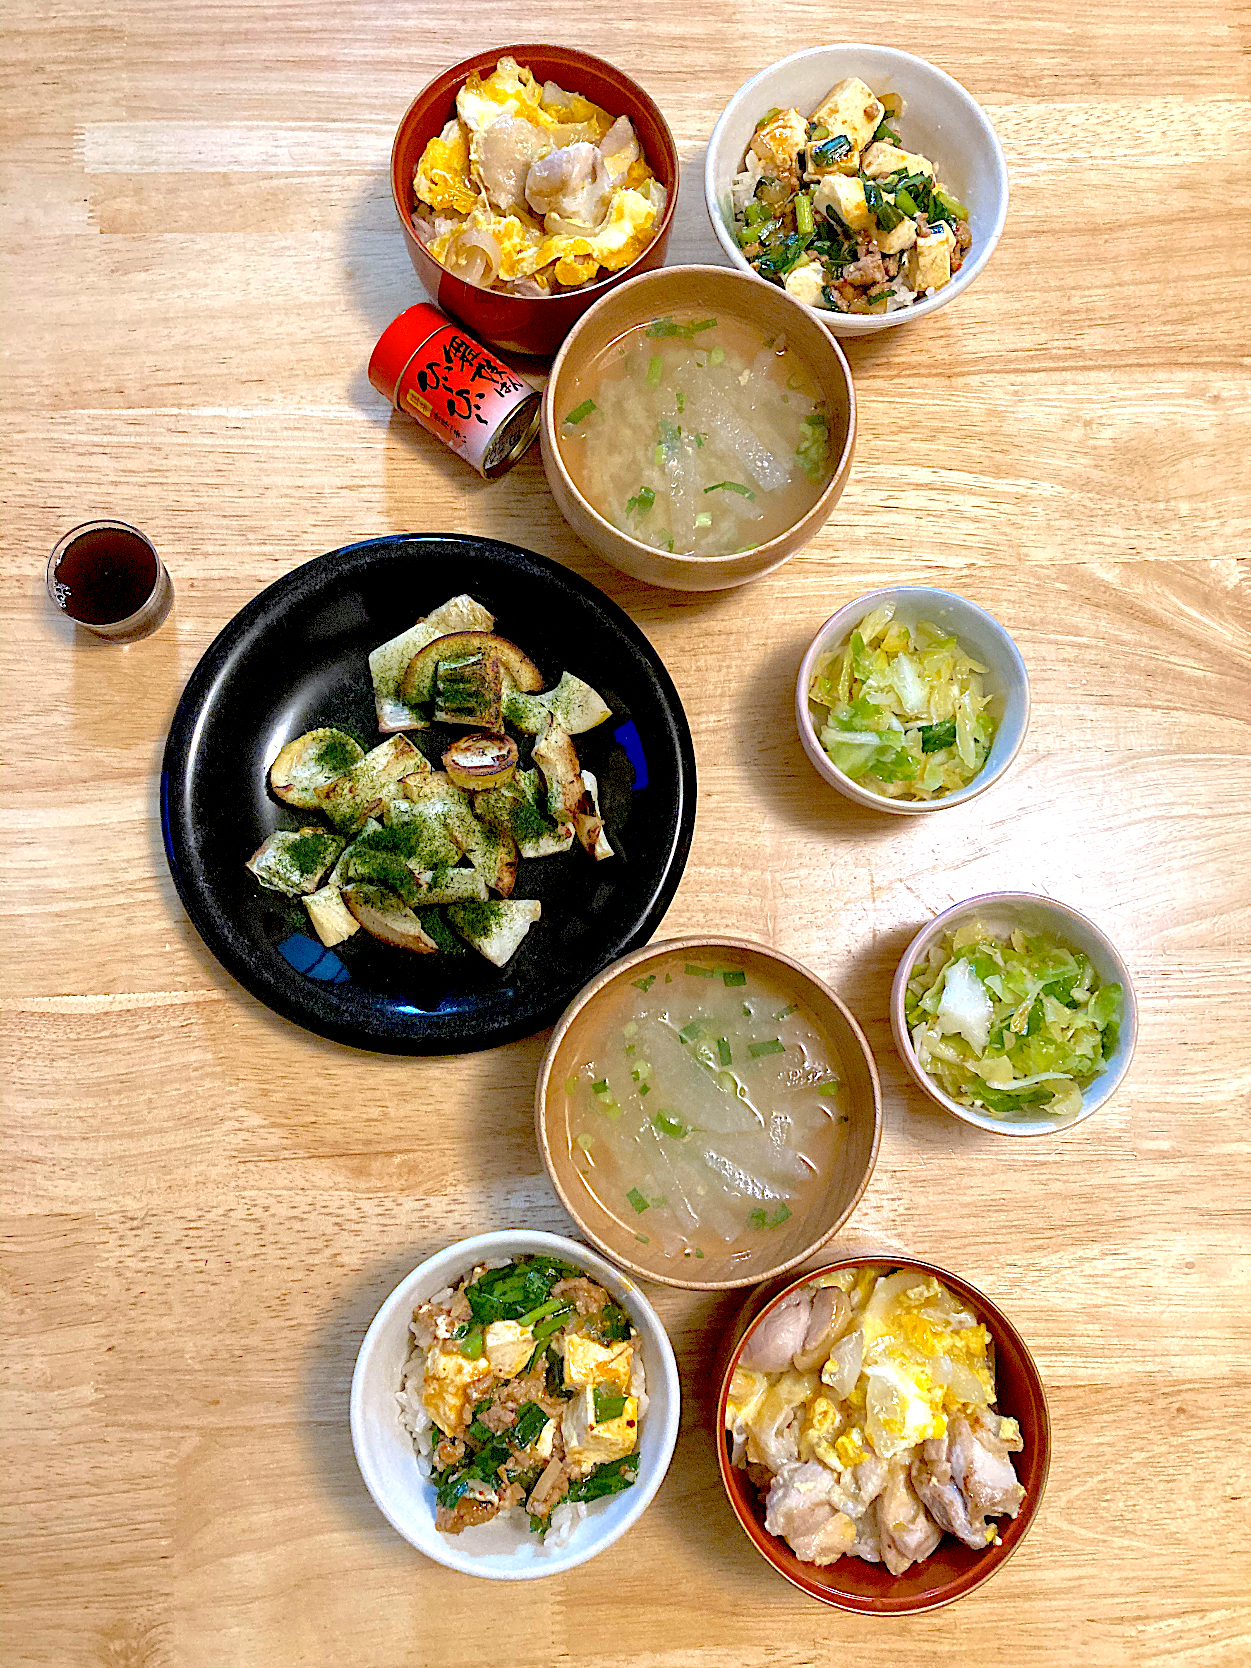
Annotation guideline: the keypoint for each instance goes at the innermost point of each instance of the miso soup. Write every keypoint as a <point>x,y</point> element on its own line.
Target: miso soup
<point>698,435</point>
<point>705,1110</point>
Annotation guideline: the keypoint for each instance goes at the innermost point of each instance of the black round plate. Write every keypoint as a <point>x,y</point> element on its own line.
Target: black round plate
<point>294,659</point>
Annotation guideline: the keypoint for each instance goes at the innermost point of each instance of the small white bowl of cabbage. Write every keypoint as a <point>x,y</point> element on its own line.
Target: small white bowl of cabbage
<point>939,677</point>
<point>1015,1013</point>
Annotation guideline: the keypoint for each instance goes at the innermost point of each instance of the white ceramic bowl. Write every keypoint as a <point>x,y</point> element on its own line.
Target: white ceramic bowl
<point>940,120</point>
<point>985,639</point>
<point>1000,912</point>
<point>500,1551</point>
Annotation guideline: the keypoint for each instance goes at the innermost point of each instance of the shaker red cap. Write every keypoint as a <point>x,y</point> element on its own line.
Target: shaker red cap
<point>399,342</point>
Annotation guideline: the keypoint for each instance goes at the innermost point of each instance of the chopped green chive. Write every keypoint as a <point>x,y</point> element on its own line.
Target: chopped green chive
<point>698,1252</point>
<point>698,972</point>
<point>571,1085</point>
<point>688,1033</point>
<point>667,1124</point>
<point>746,1011</point>
<point>785,1013</point>
<point>581,411</point>
<point>771,1046</point>
<point>607,1406</point>
<point>830,1082</point>
<point>703,519</point>
<point>655,367</point>
<point>733,486</point>
<point>723,1051</point>
<point>731,976</point>
<point>717,356</point>
<point>637,1200</point>
<point>645,983</point>
<point>645,1088</point>
<point>600,1088</point>
<point>642,501</point>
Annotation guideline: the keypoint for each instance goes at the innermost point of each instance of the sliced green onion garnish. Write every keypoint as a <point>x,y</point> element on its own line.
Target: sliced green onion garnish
<point>703,519</point>
<point>768,117</point>
<point>714,358</point>
<point>723,1051</point>
<point>688,1033</point>
<point>697,971</point>
<point>905,201</point>
<point>803,214</point>
<point>646,982</point>
<point>600,1088</point>
<point>733,486</point>
<point>772,1045</point>
<point>471,1343</point>
<point>787,1011</point>
<point>637,1200</point>
<point>762,1219</point>
<point>667,1124</point>
<point>731,976</point>
<point>581,411</point>
<point>655,366</point>
<point>645,1088</point>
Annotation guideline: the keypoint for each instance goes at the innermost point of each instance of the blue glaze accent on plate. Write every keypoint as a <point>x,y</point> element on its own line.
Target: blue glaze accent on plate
<point>630,739</point>
<point>308,955</point>
<point>294,659</point>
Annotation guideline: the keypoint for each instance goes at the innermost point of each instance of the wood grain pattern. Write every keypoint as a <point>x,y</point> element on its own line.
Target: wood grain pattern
<point>203,1207</point>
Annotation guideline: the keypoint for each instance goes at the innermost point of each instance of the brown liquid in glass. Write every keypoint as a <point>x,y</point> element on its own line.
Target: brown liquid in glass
<point>105,576</point>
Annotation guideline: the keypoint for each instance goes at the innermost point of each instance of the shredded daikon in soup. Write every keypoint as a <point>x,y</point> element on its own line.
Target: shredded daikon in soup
<point>698,435</point>
<point>706,1111</point>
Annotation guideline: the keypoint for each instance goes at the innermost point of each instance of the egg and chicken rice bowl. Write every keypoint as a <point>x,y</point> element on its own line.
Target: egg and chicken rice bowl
<point>532,189</point>
<point>863,1410</point>
<point>524,1393</point>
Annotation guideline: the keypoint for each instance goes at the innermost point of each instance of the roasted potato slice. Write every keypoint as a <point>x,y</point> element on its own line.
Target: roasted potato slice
<point>293,861</point>
<point>385,918</point>
<point>310,762</point>
<point>495,929</point>
<point>356,795</point>
<point>332,920</point>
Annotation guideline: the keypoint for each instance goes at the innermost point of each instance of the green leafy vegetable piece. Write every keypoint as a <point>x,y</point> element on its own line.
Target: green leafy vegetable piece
<point>688,1033</point>
<point>830,151</point>
<point>645,983</point>
<point>605,1479</point>
<point>698,972</point>
<point>609,1404</point>
<point>528,1426</point>
<point>637,1200</point>
<point>655,369</point>
<point>762,1219</point>
<point>935,736</point>
<point>642,501</point>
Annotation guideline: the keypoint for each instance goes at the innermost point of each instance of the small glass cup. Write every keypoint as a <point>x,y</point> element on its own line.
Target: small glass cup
<point>107,577</point>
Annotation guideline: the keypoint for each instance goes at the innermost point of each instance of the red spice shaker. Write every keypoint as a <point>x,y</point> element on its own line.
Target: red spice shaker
<point>430,369</point>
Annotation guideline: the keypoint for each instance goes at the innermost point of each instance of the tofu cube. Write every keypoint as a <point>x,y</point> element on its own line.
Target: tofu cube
<point>883,159</point>
<point>851,107</point>
<point>588,1444</point>
<point>451,1385</point>
<point>804,282</point>
<point>588,1363</point>
<point>779,142</point>
<point>846,198</point>
<point>929,260</point>
<point>895,242</point>
<point>508,1345</point>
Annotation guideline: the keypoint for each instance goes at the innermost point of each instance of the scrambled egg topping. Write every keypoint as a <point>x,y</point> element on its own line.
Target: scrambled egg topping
<point>611,206</point>
<point>917,1360</point>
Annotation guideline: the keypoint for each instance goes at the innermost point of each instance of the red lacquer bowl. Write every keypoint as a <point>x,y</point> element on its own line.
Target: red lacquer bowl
<point>953,1569</point>
<point>518,323</point>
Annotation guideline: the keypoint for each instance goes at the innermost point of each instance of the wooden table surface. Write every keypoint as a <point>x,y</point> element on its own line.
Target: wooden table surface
<point>204,1205</point>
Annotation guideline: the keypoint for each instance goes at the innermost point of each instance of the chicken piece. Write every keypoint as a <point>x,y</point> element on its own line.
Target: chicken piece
<point>829,1318</point>
<point>778,144</point>
<point>572,183</point>
<point>779,1336</point>
<point>931,1478</point>
<point>868,1543</point>
<point>864,1482</point>
<point>504,152</point>
<point>907,1532</point>
<point>619,148</point>
<point>773,1437</point>
<point>800,1509</point>
<point>981,1469</point>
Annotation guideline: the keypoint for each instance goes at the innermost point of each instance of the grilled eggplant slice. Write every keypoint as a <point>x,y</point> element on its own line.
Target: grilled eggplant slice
<point>468,690</point>
<point>481,762</point>
<point>418,684</point>
<point>387,663</point>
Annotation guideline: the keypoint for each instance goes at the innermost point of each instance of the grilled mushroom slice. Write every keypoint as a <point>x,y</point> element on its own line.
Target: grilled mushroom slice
<point>385,918</point>
<point>418,684</point>
<point>481,761</point>
<point>310,762</point>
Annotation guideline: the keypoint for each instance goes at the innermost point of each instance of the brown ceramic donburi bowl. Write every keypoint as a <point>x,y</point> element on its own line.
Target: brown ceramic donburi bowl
<point>714,290</point>
<point>952,1569</point>
<point>807,1231</point>
<point>521,323</point>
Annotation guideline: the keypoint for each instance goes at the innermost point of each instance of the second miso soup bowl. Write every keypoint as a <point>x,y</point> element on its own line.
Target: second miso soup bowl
<point>985,639</point>
<point>713,290</point>
<point>952,1569</point>
<point>1001,913</point>
<point>807,1231</point>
